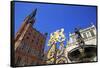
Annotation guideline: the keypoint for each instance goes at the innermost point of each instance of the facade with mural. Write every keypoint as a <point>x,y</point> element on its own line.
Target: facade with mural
<point>55,54</point>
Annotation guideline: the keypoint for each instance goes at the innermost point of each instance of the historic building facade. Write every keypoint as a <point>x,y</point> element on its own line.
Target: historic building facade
<point>85,52</point>
<point>29,43</point>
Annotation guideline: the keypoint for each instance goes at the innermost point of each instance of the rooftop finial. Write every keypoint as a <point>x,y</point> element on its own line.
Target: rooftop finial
<point>32,15</point>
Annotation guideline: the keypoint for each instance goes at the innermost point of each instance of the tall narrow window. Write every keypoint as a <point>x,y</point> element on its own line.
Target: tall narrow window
<point>32,40</point>
<point>92,33</point>
<point>85,36</point>
<point>29,33</point>
<point>27,37</point>
<point>23,46</point>
<point>88,34</point>
<point>18,61</point>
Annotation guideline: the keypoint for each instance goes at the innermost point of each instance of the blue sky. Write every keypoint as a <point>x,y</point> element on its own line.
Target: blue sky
<point>51,17</point>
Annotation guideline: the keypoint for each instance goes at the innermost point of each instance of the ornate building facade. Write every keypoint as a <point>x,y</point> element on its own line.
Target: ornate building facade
<point>85,52</point>
<point>29,43</point>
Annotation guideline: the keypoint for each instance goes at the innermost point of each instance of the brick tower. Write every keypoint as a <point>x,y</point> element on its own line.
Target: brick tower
<point>29,43</point>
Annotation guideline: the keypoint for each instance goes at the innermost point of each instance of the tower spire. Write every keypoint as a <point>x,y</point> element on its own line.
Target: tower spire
<point>33,14</point>
<point>31,17</point>
<point>28,19</point>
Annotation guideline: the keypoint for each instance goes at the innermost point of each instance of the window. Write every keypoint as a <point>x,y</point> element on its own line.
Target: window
<point>23,46</point>
<point>37,42</point>
<point>27,37</point>
<point>34,36</point>
<point>29,50</point>
<point>88,34</point>
<point>35,33</point>
<point>18,61</point>
<point>32,52</point>
<point>32,40</point>
<point>29,33</point>
<point>92,33</point>
<point>34,63</point>
<point>41,41</point>
<point>84,35</point>
<point>22,62</point>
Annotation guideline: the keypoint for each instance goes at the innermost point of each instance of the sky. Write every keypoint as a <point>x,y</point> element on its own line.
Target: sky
<point>51,17</point>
